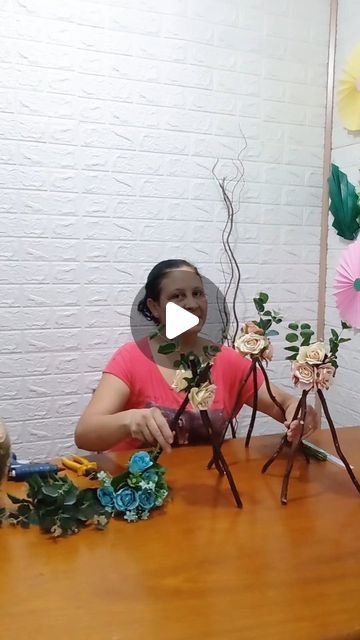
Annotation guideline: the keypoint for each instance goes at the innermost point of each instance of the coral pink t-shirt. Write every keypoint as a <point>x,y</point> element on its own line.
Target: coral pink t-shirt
<point>148,388</point>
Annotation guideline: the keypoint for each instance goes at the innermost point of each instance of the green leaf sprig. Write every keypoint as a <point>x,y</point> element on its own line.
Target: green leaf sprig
<point>57,505</point>
<point>302,334</point>
<point>266,316</point>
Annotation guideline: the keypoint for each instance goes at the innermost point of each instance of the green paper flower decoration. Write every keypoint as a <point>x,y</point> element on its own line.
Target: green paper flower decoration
<point>344,204</point>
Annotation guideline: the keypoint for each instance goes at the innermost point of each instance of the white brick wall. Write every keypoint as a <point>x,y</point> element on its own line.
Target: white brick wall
<point>112,115</point>
<point>345,397</point>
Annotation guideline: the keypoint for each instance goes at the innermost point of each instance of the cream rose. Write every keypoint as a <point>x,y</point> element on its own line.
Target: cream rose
<point>250,327</point>
<point>313,354</point>
<point>202,397</point>
<point>251,344</point>
<point>181,380</point>
<point>303,375</point>
<point>324,376</point>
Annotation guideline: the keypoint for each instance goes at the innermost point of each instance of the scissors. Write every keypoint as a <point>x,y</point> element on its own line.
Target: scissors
<point>82,466</point>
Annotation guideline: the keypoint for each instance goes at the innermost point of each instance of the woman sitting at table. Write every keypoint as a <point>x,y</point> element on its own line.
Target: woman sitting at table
<point>135,401</point>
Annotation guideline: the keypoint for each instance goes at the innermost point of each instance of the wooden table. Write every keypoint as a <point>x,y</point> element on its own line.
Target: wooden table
<point>201,568</point>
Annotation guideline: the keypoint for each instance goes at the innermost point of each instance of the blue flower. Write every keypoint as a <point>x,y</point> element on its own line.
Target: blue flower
<point>146,498</point>
<point>139,462</point>
<point>126,499</point>
<point>106,496</point>
<point>150,476</point>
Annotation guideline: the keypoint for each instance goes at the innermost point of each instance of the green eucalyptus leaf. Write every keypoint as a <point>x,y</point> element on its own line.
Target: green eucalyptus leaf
<point>293,348</point>
<point>267,313</point>
<point>292,357</point>
<point>291,337</point>
<point>277,320</point>
<point>294,326</point>
<point>344,340</point>
<point>263,297</point>
<point>305,326</point>
<point>334,334</point>
<point>166,348</point>
<point>71,496</point>
<point>51,490</point>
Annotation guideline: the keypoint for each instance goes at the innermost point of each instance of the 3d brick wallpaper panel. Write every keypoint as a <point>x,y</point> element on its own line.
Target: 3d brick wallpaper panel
<point>112,115</point>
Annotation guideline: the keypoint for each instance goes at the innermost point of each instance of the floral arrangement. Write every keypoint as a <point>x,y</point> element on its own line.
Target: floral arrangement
<point>254,339</point>
<point>60,508</point>
<point>313,365</point>
<point>134,493</point>
<point>193,377</point>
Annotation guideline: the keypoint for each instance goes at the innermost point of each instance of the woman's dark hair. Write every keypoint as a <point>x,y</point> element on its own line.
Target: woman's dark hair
<point>153,284</point>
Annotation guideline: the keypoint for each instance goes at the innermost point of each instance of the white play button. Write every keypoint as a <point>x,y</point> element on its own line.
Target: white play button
<point>178,320</point>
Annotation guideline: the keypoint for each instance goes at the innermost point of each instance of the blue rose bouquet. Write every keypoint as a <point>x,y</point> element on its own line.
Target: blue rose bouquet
<point>134,493</point>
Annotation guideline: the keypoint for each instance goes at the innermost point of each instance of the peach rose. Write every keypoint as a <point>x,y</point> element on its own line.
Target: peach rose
<point>181,380</point>
<point>303,375</point>
<point>251,344</point>
<point>202,397</point>
<point>324,376</point>
<point>313,354</point>
<point>250,327</point>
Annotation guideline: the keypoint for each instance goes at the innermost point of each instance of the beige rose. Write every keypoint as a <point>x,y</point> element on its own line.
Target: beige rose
<point>268,353</point>
<point>181,380</point>
<point>251,344</point>
<point>202,397</point>
<point>313,354</point>
<point>250,327</point>
<point>324,376</point>
<point>303,375</point>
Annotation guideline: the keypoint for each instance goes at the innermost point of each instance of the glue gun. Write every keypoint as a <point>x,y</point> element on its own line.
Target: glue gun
<point>21,471</point>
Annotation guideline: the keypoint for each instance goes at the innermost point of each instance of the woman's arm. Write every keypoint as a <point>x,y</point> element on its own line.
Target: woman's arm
<point>289,402</point>
<point>104,423</point>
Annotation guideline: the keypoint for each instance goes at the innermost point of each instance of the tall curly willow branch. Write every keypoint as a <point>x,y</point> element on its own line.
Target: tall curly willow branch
<point>230,188</point>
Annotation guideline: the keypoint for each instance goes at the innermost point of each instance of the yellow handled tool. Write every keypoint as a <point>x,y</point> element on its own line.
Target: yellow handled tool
<point>82,466</point>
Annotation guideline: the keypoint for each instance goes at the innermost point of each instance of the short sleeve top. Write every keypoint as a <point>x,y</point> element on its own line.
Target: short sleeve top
<point>134,365</point>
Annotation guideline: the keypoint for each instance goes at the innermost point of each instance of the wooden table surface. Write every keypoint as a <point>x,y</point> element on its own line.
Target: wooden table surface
<point>200,567</point>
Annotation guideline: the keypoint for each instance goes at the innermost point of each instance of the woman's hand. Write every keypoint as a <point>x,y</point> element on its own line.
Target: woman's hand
<point>312,422</point>
<point>289,403</point>
<point>150,426</point>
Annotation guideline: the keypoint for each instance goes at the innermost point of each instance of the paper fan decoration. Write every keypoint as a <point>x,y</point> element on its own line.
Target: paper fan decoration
<point>349,92</point>
<point>347,285</point>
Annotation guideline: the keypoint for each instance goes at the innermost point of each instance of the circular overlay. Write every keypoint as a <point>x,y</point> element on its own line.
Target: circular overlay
<point>215,328</point>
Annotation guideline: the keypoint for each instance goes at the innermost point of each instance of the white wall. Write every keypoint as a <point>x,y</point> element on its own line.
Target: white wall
<point>344,398</point>
<point>112,115</point>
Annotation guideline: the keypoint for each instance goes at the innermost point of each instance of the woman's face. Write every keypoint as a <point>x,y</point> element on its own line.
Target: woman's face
<point>182,287</point>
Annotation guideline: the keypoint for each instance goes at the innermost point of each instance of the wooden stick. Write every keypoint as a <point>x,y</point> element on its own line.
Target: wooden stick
<point>268,388</point>
<point>294,447</point>
<point>255,403</point>
<point>336,441</point>
<point>219,455</point>
<point>211,462</point>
